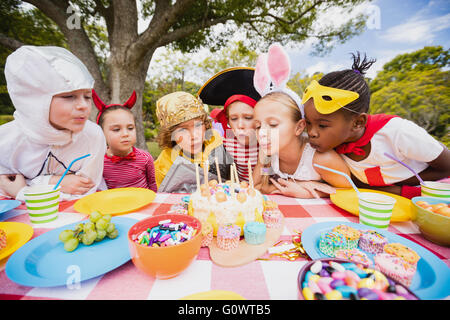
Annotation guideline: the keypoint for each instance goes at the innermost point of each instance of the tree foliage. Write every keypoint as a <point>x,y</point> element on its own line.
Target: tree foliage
<point>415,86</point>
<point>183,24</point>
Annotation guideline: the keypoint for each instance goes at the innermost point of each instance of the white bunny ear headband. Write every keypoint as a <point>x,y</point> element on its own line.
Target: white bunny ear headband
<point>272,73</point>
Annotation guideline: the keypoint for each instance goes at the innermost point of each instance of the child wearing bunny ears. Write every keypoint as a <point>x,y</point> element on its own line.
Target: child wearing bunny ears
<point>284,150</point>
<point>124,164</point>
<point>336,109</point>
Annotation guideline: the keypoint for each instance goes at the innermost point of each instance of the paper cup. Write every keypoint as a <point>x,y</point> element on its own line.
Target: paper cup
<point>375,209</point>
<point>42,203</point>
<point>439,190</point>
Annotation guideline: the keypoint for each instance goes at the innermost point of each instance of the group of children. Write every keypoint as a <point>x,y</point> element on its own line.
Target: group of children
<point>263,125</point>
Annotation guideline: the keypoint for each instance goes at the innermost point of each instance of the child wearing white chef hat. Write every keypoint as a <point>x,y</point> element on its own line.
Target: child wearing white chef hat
<point>51,90</point>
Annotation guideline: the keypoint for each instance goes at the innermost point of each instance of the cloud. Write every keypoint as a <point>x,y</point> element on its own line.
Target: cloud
<point>324,67</point>
<point>417,30</point>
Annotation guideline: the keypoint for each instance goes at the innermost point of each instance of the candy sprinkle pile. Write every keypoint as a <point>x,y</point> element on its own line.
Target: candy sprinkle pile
<point>166,234</point>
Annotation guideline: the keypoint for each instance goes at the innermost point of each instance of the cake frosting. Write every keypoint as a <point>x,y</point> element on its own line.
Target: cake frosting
<point>403,252</point>
<point>351,235</point>
<point>226,203</point>
<point>255,232</point>
<point>372,242</point>
<point>354,255</point>
<point>228,236</point>
<point>395,267</point>
<point>331,242</point>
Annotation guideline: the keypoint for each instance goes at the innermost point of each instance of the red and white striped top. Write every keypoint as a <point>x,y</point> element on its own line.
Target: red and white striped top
<point>241,155</point>
<point>138,173</point>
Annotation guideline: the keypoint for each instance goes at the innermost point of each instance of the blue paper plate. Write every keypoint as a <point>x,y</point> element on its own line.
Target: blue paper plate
<point>43,262</point>
<point>432,279</point>
<point>6,205</point>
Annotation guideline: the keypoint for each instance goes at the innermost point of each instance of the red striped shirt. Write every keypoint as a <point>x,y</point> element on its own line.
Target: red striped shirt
<point>138,173</point>
<point>241,155</point>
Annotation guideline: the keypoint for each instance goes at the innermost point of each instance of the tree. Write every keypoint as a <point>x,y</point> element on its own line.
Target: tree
<point>17,26</point>
<point>414,87</point>
<point>397,69</point>
<point>182,24</point>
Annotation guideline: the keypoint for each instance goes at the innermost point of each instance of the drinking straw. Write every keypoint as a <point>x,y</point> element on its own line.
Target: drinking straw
<point>68,168</point>
<point>340,173</point>
<point>404,164</point>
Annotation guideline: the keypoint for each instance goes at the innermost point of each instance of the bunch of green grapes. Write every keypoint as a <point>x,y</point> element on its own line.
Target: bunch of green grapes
<point>96,229</point>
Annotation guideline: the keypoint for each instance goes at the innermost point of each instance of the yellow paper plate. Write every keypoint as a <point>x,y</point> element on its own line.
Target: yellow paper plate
<point>214,295</point>
<point>115,201</point>
<point>17,234</point>
<point>347,199</point>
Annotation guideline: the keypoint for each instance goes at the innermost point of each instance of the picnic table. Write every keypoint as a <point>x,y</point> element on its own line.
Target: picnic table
<point>270,277</point>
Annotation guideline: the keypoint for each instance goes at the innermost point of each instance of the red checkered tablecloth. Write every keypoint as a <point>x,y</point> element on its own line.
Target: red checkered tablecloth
<point>270,279</point>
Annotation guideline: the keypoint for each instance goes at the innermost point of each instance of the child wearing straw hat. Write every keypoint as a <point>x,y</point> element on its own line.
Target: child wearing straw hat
<point>51,92</point>
<point>187,139</point>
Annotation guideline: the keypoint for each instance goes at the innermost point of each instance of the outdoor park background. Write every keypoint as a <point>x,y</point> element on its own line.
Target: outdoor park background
<point>409,39</point>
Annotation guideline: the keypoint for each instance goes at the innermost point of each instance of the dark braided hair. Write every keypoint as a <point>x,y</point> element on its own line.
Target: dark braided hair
<point>352,80</point>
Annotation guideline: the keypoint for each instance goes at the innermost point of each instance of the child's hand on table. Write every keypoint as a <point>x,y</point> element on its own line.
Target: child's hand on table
<point>12,183</point>
<point>73,184</point>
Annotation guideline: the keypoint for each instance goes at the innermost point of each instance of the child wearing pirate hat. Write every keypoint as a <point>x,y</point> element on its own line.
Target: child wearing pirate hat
<point>233,89</point>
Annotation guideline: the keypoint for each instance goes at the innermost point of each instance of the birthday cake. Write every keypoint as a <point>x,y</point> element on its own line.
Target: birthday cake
<point>229,203</point>
<point>226,203</point>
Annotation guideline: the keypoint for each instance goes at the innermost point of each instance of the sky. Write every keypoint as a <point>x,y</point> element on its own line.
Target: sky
<point>393,28</point>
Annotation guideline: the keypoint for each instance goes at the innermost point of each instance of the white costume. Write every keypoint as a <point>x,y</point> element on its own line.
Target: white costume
<point>405,140</point>
<point>305,169</point>
<point>30,145</point>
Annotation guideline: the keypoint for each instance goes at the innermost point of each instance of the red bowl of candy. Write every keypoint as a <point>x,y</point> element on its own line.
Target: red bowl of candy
<point>164,245</point>
<point>339,279</point>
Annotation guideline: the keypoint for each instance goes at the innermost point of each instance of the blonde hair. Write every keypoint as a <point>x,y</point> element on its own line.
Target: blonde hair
<point>295,116</point>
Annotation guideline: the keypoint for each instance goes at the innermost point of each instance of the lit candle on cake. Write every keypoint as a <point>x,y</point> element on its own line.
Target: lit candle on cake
<point>250,176</point>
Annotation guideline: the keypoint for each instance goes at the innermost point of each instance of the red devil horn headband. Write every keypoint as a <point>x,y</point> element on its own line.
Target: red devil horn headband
<point>101,106</point>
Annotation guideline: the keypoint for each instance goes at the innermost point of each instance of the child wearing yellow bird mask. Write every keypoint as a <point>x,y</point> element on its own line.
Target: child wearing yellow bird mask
<point>337,117</point>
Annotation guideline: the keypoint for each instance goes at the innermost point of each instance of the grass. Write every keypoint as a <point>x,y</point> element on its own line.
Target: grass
<point>6,118</point>
<point>154,149</point>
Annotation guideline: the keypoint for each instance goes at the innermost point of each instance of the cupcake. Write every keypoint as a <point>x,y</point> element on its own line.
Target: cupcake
<point>2,239</point>
<point>395,267</point>
<point>255,232</point>
<point>331,242</point>
<point>178,208</point>
<point>351,235</point>
<point>228,236</point>
<point>207,233</point>
<point>354,255</point>
<point>403,252</point>
<point>272,218</point>
<point>372,242</point>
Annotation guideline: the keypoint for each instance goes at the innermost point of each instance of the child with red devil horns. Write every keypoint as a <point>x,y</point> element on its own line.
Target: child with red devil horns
<point>124,164</point>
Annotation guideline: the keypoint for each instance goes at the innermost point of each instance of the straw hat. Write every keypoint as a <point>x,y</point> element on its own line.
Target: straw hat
<point>177,107</point>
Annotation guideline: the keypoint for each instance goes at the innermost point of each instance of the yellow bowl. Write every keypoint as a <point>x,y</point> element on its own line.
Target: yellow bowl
<point>433,226</point>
